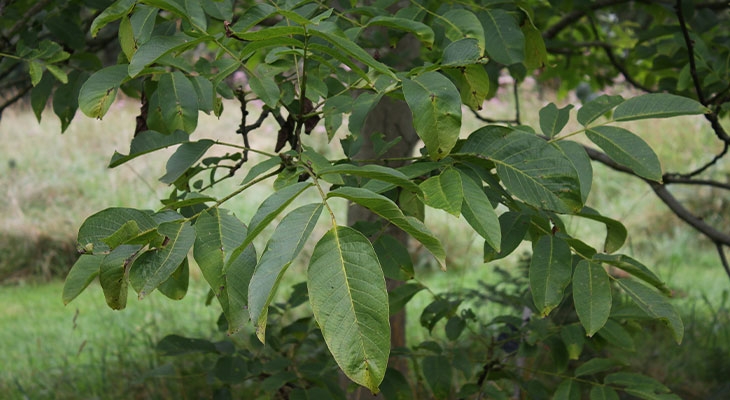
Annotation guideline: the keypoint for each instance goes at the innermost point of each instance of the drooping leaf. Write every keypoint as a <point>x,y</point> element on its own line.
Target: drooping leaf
<point>638,383</point>
<point>444,191</point>
<point>147,142</point>
<point>400,296</point>
<point>179,102</point>
<point>105,223</point>
<point>550,272</point>
<point>423,32</point>
<point>460,24</point>
<point>184,157</point>
<point>439,374</point>
<point>436,106</point>
<point>595,108</point>
<point>655,305</point>
<point>84,270</point>
<point>657,105</point>
<point>270,208</point>
<point>530,168</point>
<point>113,275</point>
<point>473,83</point>
<point>633,267</point>
<point>349,300</point>
<point>615,231</point>
<point>176,286</point>
<point>581,163</point>
<point>394,258</point>
<point>479,213</point>
<point>617,335</point>
<point>627,149</point>
<point>574,338</point>
<point>218,236</point>
<point>507,42</point>
<point>591,295</point>
<point>385,207</point>
<point>40,94</point>
<point>554,119</point>
<point>157,265</point>
<point>283,246</point>
<point>513,228</point>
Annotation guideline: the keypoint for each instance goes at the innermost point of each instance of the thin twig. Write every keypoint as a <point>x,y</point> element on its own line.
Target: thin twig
<point>723,259</point>
<point>684,180</point>
<point>690,52</point>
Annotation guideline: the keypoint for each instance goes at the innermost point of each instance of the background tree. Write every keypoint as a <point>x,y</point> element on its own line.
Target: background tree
<point>310,64</point>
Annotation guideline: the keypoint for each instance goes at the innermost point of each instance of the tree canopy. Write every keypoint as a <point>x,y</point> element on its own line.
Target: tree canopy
<point>308,64</point>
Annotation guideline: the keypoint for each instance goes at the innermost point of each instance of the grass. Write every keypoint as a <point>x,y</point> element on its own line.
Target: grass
<point>53,182</point>
<point>85,349</point>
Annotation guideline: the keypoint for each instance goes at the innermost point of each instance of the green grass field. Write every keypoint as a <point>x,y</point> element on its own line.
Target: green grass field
<point>85,350</point>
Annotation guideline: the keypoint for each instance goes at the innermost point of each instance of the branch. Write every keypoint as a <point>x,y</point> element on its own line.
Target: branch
<point>723,259</point>
<point>14,98</point>
<point>573,16</point>
<point>668,198</point>
<point>685,180</point>
<point>691,52</point>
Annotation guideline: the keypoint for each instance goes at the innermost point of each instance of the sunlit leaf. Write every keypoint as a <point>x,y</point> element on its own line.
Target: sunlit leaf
<point>349,300</point>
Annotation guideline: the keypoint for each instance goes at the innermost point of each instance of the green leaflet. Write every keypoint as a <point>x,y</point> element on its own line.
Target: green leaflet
<point>106,223</point>
<point>400,296</point>
<point>147,142</point>
<point>581,163</point>
<point>115,11</point>
<point>270,208</point>
<point>84,270</point>
<point>550,272</point>
<point>615,231</point>
<point>436,106</point>
<point>633,267</point>
<point>600,392</point>
<point>554,119</point>
<point>283,246</point>
<point>529,167</point>
<point>179,102</point>
<point>657,105</point>
<point>113,275</point>
<point>595,108</point>
<point>157,265</point>
<point>479,213</point>
<point>444,191</point>
<point>227,270</point>
<point>591,295</point>
<point>569,389</point>
<point>655,305</point>
<point>176,286</point>
<point>98,92</point>
<point>627,149</point>
<point>422,31</point>
<point>385,207</point>
<point>348,296</point>
<point>507,42</point>
<point>158,46</point>
<point>184,157</point>
<point>513,228</point>
<point>460,24</point>
<point>596,365</point>
<point>372,171</point>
